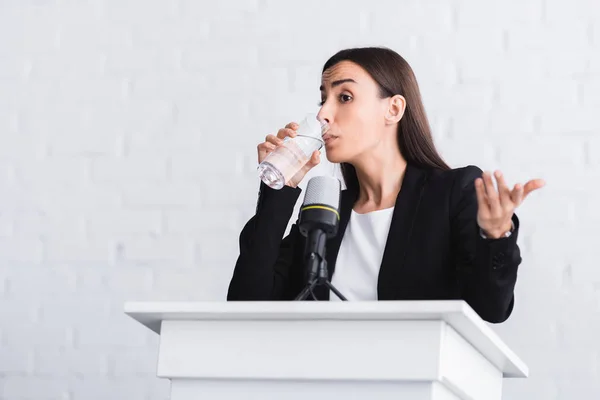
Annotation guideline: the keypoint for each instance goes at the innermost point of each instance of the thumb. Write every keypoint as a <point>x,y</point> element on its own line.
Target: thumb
<point>314,159</point>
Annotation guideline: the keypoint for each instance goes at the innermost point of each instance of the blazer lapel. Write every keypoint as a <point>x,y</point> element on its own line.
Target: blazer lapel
<point>403,218</point>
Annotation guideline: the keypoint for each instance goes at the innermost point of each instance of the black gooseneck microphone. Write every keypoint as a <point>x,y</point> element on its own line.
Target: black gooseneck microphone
<point>319,221</point>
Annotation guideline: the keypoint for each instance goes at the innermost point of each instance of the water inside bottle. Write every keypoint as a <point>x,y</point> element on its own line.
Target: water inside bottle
<point>282,165</point>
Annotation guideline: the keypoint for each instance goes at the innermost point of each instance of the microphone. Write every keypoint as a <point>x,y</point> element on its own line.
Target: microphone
<point>319,214</point>
<point>319,220</point>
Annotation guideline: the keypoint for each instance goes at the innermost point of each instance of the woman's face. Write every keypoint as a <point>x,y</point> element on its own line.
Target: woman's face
<point>350,103</point>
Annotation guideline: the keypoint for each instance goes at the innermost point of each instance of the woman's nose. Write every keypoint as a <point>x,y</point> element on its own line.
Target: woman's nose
<point>323,116</point>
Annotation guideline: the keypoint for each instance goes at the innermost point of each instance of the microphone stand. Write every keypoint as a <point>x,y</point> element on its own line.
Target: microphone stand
<point>317,269</point>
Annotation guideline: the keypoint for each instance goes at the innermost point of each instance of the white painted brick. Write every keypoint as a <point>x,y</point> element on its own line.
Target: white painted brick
<point>461,44</point>
<point>209,54</point>
<point>163,195</point>
<point>578,13</point>
<point>124,170</point>
<point>187,28</point>
<point>461,98</point>
<point>16,360</point>
<point>105,224</point>
<point>17,312</point>
<point>201,222</point>
<point>152,86</point>
<point>176,250</point>
<point>507,67</point>
<point>44,335</point>
<point>503,122</point>
<point>89,197</point>
<point>184,137</point>
<point>18,23</point>
<point>200,166</point>
<point>19,145</point>
<point>208,249</point>
<point>560,180</point>
<point>556,37</point>
<point>42,281</point>
<point>414,17</point>
<point>157,13</point>
<point>36,224</point>
<point>26,251</point>
<point>131,60</point>
<point>6,226</point>
<point>509,13</point>
<point>102,388</point>
<point>124,333</point>
<point>579,387</point>
<point>221,193</point>
<point>134,363</point>
<point>548,97</point>
<point>53,171</point>
<point>86,362</point>
<point>191,8</point>
<point>131,282</point>
<point>585,211</point>
<point>591,94</point>
<point>173,285</point>
<point>27,388</point>
<point>83,30</point>
<point>57,249</point>
<point>581,119</point>
<point>592,147</point>
<point>89,64</point>
<point>84,140</point>
<point>6,173</point>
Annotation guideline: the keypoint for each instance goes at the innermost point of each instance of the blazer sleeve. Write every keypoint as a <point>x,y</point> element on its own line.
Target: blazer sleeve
<point>487,268</point>
<point>262,270</point>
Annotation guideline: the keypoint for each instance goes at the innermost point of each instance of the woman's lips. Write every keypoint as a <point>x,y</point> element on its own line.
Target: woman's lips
<point>327,138</point>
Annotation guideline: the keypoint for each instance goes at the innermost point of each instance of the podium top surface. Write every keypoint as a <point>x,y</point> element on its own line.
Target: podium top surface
<point>456,313</point>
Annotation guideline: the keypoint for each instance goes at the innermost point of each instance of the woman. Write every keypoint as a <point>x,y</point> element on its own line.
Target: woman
<point>411,227</point>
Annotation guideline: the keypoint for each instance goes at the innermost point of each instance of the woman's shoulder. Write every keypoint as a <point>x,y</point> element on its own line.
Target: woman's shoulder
<point>461,176</point>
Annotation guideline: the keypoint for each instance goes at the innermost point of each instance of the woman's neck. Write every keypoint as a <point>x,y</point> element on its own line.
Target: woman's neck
<point>380,178</point>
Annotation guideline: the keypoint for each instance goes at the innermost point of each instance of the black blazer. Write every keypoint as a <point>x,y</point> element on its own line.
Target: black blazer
<point>434,250</point>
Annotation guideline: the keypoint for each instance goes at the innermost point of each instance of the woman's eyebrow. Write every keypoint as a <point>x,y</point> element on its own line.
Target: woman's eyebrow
<point>337,83</point>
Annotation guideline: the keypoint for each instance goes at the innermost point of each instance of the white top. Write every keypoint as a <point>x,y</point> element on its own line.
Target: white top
<point>359,258</point>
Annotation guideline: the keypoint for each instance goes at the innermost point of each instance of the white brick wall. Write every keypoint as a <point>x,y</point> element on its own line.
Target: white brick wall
<point>127,163</point>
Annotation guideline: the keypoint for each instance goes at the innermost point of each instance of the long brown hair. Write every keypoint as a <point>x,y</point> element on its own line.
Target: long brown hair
<point>395,76</point>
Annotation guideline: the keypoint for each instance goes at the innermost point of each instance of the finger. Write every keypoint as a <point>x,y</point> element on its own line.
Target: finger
<point>282,133</point>
<point>517,194</point>
<point>503,190</point>
<point>292,125</point>
<point>492,194</point>
<point>273,139</point>
<point>481,196</point>
<point>315,158</point>
<point>532,185</point>
<point>267,147</point>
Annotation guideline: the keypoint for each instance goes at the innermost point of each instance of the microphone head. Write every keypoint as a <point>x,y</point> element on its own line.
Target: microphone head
<point>323,190</point>
<point>320,209</point>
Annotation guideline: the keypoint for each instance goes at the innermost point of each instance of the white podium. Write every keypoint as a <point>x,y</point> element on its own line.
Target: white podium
<point>396,350</point>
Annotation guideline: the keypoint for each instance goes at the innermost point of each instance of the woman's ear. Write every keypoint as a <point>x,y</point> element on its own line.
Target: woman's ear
<point>396,107</point>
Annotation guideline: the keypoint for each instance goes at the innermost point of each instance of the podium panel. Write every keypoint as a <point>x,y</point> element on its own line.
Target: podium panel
<point>406,349</point>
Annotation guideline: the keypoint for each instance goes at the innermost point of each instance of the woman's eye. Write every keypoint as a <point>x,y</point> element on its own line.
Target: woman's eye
<point>344,98</point>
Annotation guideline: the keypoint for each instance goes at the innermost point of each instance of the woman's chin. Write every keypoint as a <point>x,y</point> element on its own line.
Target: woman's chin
<point>333,158</point>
